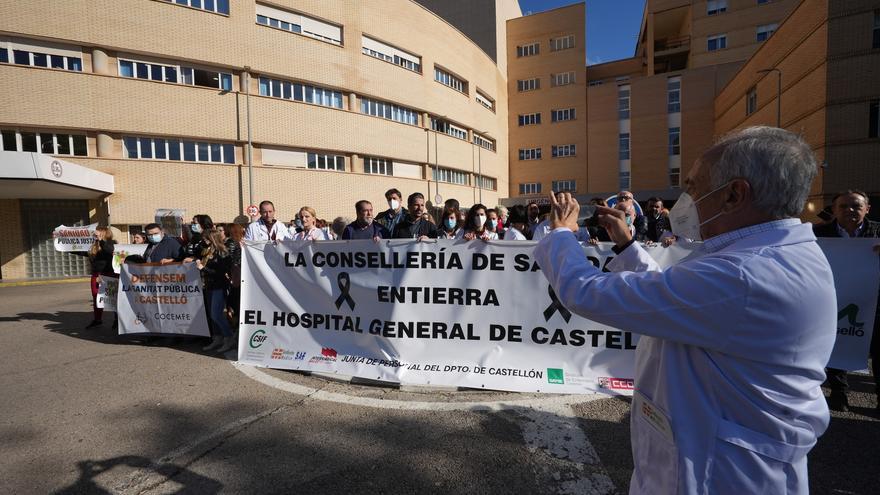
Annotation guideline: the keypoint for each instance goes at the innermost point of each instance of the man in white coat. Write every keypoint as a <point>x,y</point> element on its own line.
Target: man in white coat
<point>734,341</point>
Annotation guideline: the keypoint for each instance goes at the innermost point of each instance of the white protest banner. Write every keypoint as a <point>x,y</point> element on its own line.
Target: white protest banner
<point>171,220</point>
<point>164,299</point>
<point>108,289</point>
<point>122,251</point>
<point>74,239</point>
<point>472,314</point>
<point>467,314</point>
<point>856,267</point>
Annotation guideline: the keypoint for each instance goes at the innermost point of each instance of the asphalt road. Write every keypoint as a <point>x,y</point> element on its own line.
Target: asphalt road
<point>87,411</point>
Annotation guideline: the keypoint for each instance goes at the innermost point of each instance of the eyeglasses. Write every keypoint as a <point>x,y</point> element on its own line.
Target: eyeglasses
<point>624,198</point>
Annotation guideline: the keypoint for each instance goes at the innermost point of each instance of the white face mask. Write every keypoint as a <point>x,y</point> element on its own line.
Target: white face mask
<point>684,217</point>
<point>479,220</point>
<point>394,204</point>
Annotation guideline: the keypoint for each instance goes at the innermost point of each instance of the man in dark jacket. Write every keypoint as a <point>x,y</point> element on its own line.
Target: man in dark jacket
<point>658,221</point>
<point>849,209</point>
<point>364,227</point>
<point>395,212</point>
<point>413,226</point>
<point>162,248</point>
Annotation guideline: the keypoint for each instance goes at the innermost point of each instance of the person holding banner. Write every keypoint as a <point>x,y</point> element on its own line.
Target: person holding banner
<point>850,209</point>
<point>475,225</point>
<point>101,259</point>
<point>215,263</point>
<point>734,341</point>
<point>310,230</point>
<point>413,226</point>
<point>364,227</point>
<point>518,224</point>
<point>161,248</point>
<point>266,228</point>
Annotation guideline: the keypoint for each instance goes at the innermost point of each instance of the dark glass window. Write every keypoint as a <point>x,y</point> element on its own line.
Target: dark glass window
<point>47,144</point>
<point>261,19</point>
<point>189,151</point>
<point>223,6</point>
<point>29,142</point>
<point>298,92</point>
<point>160,149</point>
<point>56,61</point>
<point>130,147</point>
<point>874,115</point>
<point>197,4</point>
<point>146,148</point>
<point>41,60</point>
<point>208,79</point>
<point>226,82</point>
<point>4,55</point>
<point>21,57</point>
<point>9,143</point>
<point>63,144</point>
<point>215,153</point>
<point>171,74</point>
<point>74,63</point>
<point>173,150</point>
<point>156,72</point>
<point>203,152</point>
<point>285,90</point>
<point>143,71</point>
<point>228,153</point>
<point>276,88</point>
<point>209,5</point>
<point>80,148</point>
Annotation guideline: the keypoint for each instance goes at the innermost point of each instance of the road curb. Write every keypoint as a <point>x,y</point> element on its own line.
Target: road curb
<point>25,283</point>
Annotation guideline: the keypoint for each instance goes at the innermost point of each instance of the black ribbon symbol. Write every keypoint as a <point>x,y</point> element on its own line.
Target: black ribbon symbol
<point>555,306</point>
<point>344,283</point>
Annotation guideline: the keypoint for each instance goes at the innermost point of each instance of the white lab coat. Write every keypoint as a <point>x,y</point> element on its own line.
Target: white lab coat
<point>733,349</point>
<point>257,231</point>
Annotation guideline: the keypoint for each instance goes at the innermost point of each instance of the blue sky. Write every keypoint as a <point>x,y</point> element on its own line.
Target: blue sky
<point>612,25</point>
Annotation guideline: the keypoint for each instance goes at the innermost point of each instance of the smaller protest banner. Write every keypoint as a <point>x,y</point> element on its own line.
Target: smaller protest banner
<point>164,299</point>
<point>74,239</point>
<point>108,289</point>
<point>171,220</point>
<point>122,251</point>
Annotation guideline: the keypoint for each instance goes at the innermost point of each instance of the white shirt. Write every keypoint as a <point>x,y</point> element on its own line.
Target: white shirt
<point>513,234</point>
<point>257,231</point>
<point>732,354</point>
<point>490,236</point>
<point>315,234</point>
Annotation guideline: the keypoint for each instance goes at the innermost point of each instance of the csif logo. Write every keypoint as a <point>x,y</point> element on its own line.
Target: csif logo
<point>258,338</point>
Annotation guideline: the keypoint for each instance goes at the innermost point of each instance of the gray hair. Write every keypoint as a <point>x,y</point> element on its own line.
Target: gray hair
<point>778,165</point>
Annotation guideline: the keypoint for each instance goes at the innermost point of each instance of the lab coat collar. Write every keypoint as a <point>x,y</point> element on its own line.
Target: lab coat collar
<point>782,236</point>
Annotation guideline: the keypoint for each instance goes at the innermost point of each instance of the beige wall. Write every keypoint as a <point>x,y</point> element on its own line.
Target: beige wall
<point>12,242</point>
<point>541,28</point>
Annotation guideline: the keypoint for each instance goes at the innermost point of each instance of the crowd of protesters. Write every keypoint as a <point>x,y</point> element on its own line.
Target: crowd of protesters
<point>216,248</point>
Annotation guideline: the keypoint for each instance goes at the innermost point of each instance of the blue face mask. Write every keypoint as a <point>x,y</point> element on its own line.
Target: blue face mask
<point>450,223</point>
<point>493,224</point>
<point>154,238</point>
<point>629,221</point>
<point>196,228</point>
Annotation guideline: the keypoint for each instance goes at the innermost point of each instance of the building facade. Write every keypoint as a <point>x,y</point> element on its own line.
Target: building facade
<point>339,101</point>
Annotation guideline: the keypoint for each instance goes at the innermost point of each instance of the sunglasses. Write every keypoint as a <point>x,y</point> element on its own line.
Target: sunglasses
<point>624,198</point>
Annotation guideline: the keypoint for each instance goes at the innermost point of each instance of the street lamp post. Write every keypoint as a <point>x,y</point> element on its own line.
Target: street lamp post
<point>778,93</point>
<point>250,144</point>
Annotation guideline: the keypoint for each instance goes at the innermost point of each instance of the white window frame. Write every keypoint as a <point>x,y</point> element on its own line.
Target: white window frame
<point>450,80</point>
<point>533,84</point>
<point>487,183</point>
<point>383,51</point>
<point>562,78</point>
<point>565,185</point>
<point>528,119</point>
<point>675,177</point>
<point>624,152</point>
<point>673,87</point>
<point>451,176</point>
<point>529,154</point>
<point>389,111</point>
<point>484,142</point>
<point>562,115</point>
<point>563,150</point>
<point>765,31</point>
<point>378,166</point>
<point>530,188</point>
<point>202,6</point>
<point>484,100</point>
<point>714,7</point>
<point>624,179</point>
<point>751,101</point>
<point>528,50</point>
<point>325,97</point>
<point>322,161</point>
<point>562,43</point>
<point>674,149</point>
<point>225,150</point>
<point>623,101</point>
<point>310,27</point>
<point>39,140</point>
<point>719,39</point>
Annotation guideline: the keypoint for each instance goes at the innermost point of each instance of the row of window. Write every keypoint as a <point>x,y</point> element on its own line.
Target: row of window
<point>300,92</point>
<point>389,111</point>
<point>146,148</point>
<point>218,6</point>
<point>37,59</point>
<point>562,150</point>
<point>673,98</point>
<point>719,41</point>
<point>557,79</point>
<point>320,161</point>
<point>484,142</point>
<point>297,23</point>
<point>175,74</point>
<point>448,128</point>
<point>379,166</point>
<point>714,7</point>
<point>673,149</point>
<point>556,44</point>
<point>382,51</point>
<point>442,174</point>
<point>447,79</point>
<point>483,182</point>
<point>43,142</point>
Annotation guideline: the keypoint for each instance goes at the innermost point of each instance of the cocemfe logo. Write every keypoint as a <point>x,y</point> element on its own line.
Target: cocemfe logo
<point>616,383</point>
<point>257,339</point>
